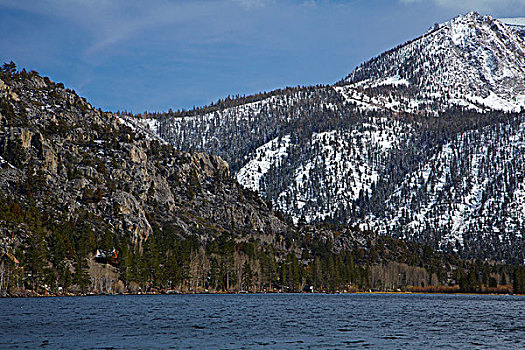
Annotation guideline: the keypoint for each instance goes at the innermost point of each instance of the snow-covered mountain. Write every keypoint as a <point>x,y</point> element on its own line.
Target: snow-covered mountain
<point>473,61</point>
<point>424,141</point>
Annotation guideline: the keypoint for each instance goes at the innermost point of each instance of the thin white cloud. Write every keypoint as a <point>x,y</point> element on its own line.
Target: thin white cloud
<point>105,24</point>
<point>251,4</point>
<point>488,6</point>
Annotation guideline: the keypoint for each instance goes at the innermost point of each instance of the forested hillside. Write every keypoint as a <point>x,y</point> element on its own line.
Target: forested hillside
<point>92,202</point>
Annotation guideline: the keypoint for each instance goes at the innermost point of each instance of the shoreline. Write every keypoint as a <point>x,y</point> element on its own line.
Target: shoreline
<point>256,293</point>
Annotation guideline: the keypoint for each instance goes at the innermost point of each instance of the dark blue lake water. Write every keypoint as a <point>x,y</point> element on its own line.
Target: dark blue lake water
<point>273,321</point>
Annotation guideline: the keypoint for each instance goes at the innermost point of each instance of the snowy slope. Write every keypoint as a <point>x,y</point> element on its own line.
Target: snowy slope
<point>473,61</point>
<point>148,128</point>
<point>336,169</point>
<point>236,132</point>
<point>472,189</point>
<point>266,156</point>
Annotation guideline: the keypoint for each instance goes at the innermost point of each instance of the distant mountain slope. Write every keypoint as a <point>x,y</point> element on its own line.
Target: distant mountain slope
<point>233,132</point>
<point>516,24</point>
<point>348,153</point>
<point>469,195</point>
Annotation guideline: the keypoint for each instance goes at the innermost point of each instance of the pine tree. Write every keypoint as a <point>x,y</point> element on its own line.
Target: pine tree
<point>81,276</point>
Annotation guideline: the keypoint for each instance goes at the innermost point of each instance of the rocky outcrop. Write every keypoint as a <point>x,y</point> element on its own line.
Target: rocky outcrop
<point>133,217</point>
<point>211,165</point>
<point>25,138</point>
<point>138,155</point>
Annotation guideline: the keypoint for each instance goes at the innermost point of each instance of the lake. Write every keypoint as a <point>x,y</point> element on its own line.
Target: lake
<point>272,321</point>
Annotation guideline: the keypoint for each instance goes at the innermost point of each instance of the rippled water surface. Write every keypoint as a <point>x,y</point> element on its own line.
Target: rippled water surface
<point>273,321</point>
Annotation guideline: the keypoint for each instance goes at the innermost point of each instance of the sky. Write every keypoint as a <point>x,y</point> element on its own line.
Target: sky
<point>159,54</point>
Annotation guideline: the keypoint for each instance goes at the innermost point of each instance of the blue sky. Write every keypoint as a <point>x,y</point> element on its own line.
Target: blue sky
<point>160,54</point>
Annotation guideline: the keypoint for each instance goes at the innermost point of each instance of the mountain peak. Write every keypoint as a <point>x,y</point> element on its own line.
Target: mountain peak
<point>475,61</point>
<point>472,15</point>
<point>472,25</point>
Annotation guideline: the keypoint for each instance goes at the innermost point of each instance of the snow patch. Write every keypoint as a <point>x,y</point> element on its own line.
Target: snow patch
<point>266,156</point>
